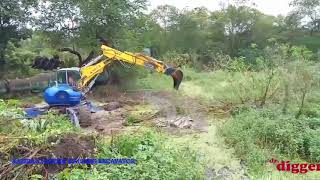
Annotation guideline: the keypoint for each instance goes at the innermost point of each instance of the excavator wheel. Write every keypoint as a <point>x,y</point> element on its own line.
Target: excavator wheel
<point>84,116</point>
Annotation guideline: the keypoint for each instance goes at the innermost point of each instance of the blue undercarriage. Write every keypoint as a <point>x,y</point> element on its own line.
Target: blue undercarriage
<point>63,97</point>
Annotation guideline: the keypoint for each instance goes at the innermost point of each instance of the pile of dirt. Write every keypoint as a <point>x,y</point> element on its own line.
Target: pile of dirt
<point>106,122</point>
<point>74,146</point>
<point>112,106</point>
<point>70,146</point>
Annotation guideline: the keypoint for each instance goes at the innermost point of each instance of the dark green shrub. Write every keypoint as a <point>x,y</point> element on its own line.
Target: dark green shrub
<point>261,134</point>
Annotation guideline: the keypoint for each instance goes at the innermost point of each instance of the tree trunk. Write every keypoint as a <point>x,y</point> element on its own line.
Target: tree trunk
<point>286,99</point>
<point>264,98</point>
<point>304,93</point>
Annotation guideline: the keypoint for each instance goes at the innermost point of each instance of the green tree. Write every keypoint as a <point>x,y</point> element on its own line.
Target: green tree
<point>309,9</point>
<point>59,18</point>
<point>167,16</point>
<point>107,18</point>
<point>78,22</point>
<point>293,20</point>
<point>13,22</point>
<point>239,23</point>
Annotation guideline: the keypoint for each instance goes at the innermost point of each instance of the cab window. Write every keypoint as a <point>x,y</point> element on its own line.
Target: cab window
<point>61,77</point>
<point>75,75</point>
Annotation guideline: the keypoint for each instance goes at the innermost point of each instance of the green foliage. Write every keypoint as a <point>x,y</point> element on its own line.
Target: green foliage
<point>176,59</point>
<point>309,9</point>
<point>311,42</point>
<point>133,120</point>
<point>238,65</point>
<point>259,135</point>
<point>198,36</point>
<point>38,126</point>
<point>38,130</point>
<point>144,79</point>
<point>20,56</point>
<point>13,24</point>
<point>9,109</point>
<point>18,59</point>
<point>52,125</point>
<point>252,54</point>
<point>13,103</point>
<point>155,160</point>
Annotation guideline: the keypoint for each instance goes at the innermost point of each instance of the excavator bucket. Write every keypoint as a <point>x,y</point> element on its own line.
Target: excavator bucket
<point>177,76</point>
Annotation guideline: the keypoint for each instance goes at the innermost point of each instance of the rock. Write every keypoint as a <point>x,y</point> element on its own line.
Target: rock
<point>112,106</point>
<point>161,122</point>
<point>186,125</point>
<point>225,172</point>
<point>243,164</point>
<point>182,123</point>
<point>210,174</point>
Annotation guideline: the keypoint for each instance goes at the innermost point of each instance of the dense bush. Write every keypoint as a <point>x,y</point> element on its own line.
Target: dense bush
<point>273,134</point>
<point>12,123</point>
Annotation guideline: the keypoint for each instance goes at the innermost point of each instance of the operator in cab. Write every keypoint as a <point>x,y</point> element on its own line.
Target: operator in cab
<point>71,81</point>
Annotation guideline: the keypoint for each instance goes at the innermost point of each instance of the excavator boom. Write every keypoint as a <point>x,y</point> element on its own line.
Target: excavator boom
<point>94,68</point>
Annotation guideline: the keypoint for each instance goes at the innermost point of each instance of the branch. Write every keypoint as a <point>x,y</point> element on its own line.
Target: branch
<point>72,52</point>
<point>12,169</point>
<point>90,56</point>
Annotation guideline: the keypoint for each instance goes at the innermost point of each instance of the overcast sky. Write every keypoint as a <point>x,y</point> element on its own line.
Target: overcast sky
<point>272,7</point>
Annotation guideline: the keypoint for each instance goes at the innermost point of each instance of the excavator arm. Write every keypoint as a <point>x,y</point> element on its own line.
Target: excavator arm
<point>97,66</point>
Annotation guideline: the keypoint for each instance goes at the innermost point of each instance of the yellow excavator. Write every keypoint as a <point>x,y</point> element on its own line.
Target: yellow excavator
<point>90,71</point>
<point>73,83</point>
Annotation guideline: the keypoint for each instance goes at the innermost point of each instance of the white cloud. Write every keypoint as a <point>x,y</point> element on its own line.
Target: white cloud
<point>273,7</point>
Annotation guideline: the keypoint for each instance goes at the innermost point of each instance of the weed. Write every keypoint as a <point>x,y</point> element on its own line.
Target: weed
<point>259,135</point>
<point>133,120</point>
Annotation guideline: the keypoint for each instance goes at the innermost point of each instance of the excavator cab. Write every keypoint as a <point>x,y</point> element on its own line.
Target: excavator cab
<point>68,76</point>
<point>62,92</point>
